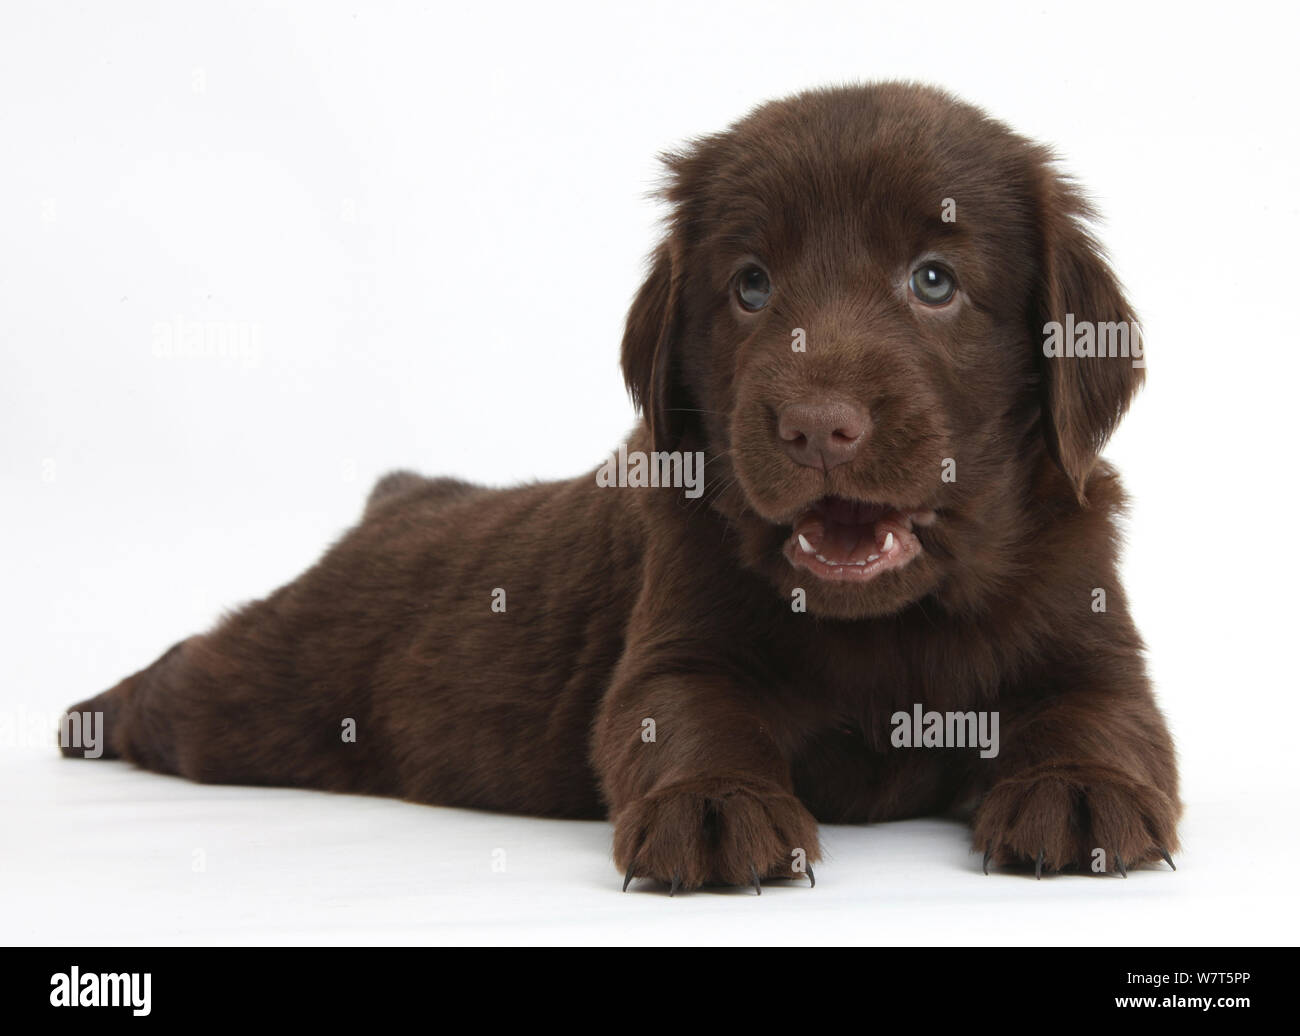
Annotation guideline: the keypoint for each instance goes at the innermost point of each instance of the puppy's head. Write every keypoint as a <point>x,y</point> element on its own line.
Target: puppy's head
<point>847,316</point>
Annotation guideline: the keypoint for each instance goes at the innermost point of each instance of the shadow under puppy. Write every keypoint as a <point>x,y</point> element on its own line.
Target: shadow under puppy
<point>903,513</point>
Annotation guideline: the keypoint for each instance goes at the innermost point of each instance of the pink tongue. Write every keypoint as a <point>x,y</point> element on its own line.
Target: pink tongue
<point>839,542</point>
<point>847,542</point>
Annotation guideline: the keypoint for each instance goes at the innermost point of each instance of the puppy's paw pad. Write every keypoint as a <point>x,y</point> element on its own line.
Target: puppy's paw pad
<point>1066,821</point>
<point>715,832</point>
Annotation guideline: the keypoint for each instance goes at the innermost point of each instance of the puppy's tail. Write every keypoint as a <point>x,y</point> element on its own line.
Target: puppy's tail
<point>127,721</point>
<point>406,484</point>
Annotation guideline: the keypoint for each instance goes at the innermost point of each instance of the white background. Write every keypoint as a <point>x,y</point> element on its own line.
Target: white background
<point>435,216</point>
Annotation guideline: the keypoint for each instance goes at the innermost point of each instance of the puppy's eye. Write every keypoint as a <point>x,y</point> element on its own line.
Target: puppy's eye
<point>753,288</point>
<point>932,284</point>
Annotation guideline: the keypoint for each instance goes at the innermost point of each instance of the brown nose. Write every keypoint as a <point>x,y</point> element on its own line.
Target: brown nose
<point>822,435</point>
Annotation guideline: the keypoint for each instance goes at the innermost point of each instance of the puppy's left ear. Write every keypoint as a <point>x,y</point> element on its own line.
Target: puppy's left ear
<point>649,344</point>
<point>1084,397</point>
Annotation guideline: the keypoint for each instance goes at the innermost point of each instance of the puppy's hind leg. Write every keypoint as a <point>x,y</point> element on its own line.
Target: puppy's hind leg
<point>126,729</point>
<point>240,705</point>
<point>280,692</point>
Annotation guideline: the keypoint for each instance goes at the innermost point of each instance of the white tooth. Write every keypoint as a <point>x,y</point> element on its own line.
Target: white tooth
<point>859,562</point>
<point>803,542</point>
<point>872,557</point>
<point>822,560</point>
<point>889,542</point>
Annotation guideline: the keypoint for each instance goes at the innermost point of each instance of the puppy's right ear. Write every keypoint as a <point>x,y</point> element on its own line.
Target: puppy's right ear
<point>649,349</point>
<point>1084,396</point>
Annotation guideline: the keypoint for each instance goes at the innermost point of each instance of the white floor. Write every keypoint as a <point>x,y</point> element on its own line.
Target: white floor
<point>97,584</point>
<point>427,263</point>
<point>101,853</point>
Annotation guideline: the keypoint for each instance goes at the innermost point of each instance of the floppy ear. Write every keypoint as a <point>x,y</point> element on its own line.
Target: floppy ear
<point>1084,396</point>
<point>649,347</point>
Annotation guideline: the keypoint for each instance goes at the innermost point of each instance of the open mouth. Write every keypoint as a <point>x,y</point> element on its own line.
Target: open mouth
<point>854,541</point>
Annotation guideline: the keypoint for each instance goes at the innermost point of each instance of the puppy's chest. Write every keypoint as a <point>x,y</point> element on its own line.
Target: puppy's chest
<point>861,681</point>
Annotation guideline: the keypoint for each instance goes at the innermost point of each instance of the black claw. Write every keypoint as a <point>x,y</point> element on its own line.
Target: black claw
<point>988,855</point>
<point>1038,867</point>
<point>1168,859</point>
<point>753,873</point>
<point>812,878</point>
<point>677,883</point>
<point>1119,866</point>
<point>628,880</point>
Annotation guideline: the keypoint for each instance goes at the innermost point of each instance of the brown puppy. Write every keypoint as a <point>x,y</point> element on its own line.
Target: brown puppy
<point>902,513</point>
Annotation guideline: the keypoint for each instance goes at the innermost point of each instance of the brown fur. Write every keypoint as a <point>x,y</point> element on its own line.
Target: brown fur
<point>628,604</point>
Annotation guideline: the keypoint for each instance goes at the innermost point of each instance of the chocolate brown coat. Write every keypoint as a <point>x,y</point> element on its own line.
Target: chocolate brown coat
<point>623,605</point>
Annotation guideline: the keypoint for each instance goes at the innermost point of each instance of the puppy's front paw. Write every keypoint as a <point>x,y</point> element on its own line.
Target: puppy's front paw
<point>716,831</point>
<point>1059,818</point>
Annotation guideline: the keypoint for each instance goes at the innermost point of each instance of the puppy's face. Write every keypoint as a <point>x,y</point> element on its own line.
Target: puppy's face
<point>847,316</point>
